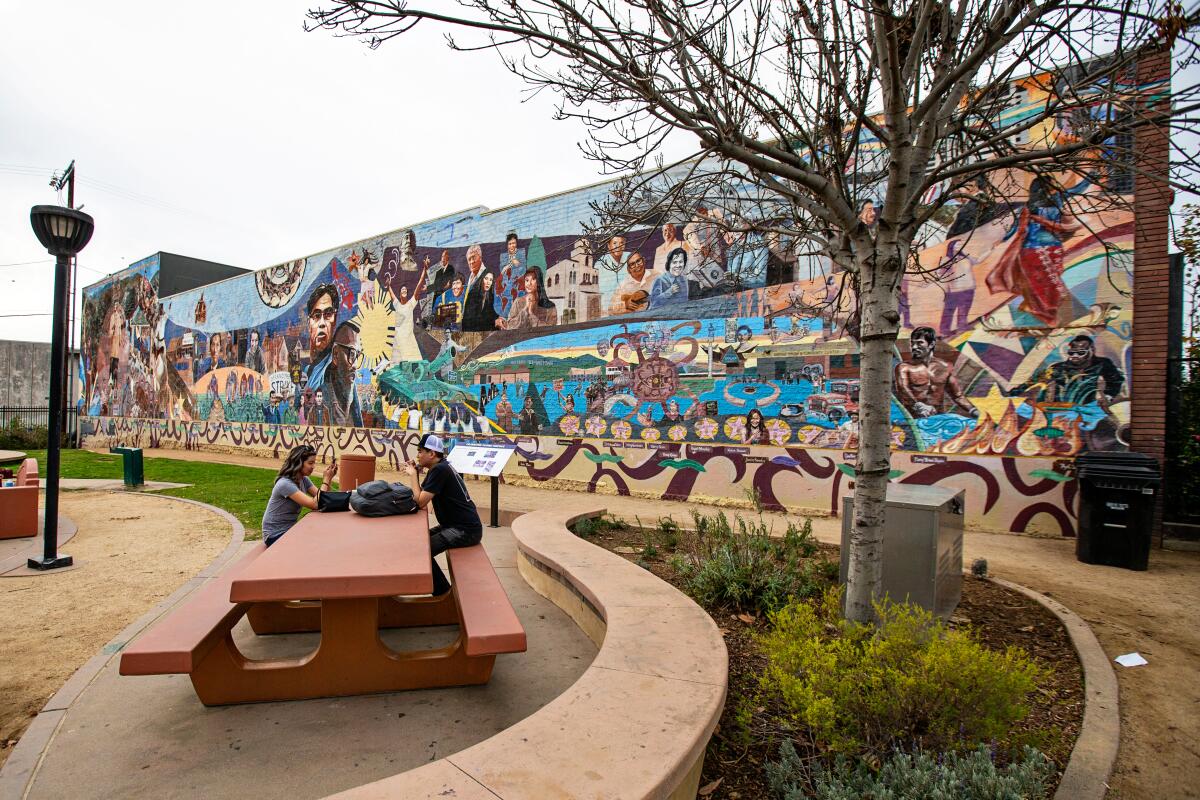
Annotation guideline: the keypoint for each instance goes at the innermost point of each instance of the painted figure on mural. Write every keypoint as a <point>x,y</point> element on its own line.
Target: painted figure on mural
<point>404,343</point>
<point>479,308</point>
<point>345,284</point>
<point>672,285</point>
<point>408,252</point>
<point>437,281</point>
<point>1081,378</point>
<point>609,267</point>
<point>534,309</point>
<point>273,412</point>
<point>322,310</point>
<point>705,237</point>
<point>633,294</point>
<point>924,383</point>
<point>1032,266</point>
<point>254,359</point>
<point>670,243</point>
<point>529,417</point>
<point>448,311</point>
<point>511,270</point>
<point>756,428</point>
<point>341,394</point>
<point>956,277</point>
<point>318,413</point>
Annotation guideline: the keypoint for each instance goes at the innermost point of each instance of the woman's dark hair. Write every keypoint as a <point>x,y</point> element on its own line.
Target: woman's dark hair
<point>295,460</point>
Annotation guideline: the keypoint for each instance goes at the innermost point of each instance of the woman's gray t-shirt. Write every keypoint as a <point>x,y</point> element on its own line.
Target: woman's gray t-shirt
<point>282,511</point>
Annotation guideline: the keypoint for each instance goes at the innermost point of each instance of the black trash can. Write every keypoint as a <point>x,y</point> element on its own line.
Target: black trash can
<point>1117,493</point>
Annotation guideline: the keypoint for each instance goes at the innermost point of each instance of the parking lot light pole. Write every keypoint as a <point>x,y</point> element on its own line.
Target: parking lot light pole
<point>63,232</point>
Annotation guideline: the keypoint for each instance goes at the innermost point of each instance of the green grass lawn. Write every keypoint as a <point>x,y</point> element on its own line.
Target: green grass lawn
<point>242,491</point>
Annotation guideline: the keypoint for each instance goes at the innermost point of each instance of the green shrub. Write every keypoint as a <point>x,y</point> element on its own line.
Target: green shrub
<point>746,567</point>
<point>971,776</point>
<point>17,437</point>
<point>910,683</point>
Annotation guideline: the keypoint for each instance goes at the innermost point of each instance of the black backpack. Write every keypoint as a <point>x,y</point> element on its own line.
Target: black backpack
<point>382,499</point>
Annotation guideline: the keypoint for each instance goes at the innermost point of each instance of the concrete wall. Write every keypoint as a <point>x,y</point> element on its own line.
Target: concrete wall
<point>25,374</point>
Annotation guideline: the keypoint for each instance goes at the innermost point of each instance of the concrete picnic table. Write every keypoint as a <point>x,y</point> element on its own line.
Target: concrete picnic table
<point>346,576</point>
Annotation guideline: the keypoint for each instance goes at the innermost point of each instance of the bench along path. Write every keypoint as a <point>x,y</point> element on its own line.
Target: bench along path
<point>342,559</point>
<point>636,723</point>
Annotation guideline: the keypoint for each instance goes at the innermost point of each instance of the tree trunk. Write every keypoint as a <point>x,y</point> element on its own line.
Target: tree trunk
<point>879,327</point>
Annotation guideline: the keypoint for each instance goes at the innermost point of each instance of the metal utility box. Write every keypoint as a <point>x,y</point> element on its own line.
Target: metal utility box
<point>922,545</point>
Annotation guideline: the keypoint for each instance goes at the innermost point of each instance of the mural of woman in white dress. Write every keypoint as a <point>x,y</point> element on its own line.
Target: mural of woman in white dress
<point>404,346</point>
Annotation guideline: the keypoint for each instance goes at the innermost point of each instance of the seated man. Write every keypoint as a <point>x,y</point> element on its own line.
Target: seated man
<point>459,524</point>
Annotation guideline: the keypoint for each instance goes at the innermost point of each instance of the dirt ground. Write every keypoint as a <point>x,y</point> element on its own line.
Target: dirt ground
<point>1156,613</point>
<point>132,551</point>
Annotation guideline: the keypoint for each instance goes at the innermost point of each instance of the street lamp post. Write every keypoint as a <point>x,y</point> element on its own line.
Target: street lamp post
<point>63,232</point>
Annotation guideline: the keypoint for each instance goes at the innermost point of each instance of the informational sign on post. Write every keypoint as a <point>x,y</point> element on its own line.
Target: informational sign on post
<point>487,460</point>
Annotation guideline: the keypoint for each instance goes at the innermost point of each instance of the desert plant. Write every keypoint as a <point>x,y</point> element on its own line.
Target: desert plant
<point>970,776</point>
<point>745,567</point>
<point>908,683</point>
<point>595,526</point>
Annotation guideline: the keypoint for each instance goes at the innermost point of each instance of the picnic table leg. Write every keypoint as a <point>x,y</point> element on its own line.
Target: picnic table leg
<point>350,659</point>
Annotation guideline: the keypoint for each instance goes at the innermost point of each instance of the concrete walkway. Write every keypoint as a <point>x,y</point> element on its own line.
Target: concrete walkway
<point>151,737</point>
<point>1153,612</point>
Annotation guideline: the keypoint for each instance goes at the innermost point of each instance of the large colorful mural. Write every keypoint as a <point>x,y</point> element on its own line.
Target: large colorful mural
<point>681,340</point>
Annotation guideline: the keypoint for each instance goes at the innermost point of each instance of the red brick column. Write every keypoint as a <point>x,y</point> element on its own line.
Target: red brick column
<point>1151,273</point>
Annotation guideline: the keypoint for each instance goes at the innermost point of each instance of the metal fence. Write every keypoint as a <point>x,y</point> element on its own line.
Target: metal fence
<point>30,417</point>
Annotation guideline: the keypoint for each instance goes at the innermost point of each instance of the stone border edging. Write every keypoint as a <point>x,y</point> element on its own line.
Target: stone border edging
<point>1095,751</point>
<point>22,764</point>
<point>637,722</point>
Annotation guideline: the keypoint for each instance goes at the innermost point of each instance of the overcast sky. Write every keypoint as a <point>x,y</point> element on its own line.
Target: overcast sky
<point>245,140</point>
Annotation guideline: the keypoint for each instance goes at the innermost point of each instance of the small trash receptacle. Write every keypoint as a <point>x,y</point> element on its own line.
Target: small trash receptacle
<point>355,469</point>
<point>132,463</point>
<point>1117,493</point>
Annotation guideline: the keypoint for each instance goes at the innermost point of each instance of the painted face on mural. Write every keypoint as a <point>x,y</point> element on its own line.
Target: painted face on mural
<point>512,245</point>
<point>488,280</point>
<point>1079,353</point>
<point>347,349</point>
<point>677,262</point>
<point>321,319</point>
<point>637,267</point>
<point>474,260</point>
<point>403,294</point>
<point>668,232</point>
<point>456,286</point>
<point>922,348</point>
<point>531,285</point>
<point>616,246</point>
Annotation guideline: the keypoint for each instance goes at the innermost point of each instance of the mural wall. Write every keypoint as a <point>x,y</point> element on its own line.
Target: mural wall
<point>637,364</point>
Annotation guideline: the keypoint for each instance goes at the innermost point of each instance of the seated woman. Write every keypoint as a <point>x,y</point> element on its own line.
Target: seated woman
<point>293,490</point>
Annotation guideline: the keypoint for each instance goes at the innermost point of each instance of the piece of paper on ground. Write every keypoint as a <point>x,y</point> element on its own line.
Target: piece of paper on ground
<point>1131,660</point>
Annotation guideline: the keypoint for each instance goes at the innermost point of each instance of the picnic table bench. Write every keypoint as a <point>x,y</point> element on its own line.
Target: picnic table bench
<point>19,503</point>
<point>345,576</point>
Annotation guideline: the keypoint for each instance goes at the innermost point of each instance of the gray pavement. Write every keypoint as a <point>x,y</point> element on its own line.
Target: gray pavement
<point>151,737</point>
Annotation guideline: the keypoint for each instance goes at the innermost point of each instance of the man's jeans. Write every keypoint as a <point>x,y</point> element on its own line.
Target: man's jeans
<point>443,538</point>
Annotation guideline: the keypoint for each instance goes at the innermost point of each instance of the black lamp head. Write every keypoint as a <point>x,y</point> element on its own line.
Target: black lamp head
<point>62,231</point>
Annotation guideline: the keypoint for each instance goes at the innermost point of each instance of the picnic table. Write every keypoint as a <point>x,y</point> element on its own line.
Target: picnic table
<point>345,576</point>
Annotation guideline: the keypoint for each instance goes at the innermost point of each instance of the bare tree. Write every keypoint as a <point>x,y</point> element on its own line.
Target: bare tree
<point>798,112</point>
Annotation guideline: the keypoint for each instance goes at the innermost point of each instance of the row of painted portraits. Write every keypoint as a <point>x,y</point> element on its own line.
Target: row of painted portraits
<point>1016,336</point>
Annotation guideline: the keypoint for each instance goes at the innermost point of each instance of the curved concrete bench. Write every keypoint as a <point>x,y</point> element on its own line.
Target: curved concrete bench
<point>635,724</point>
